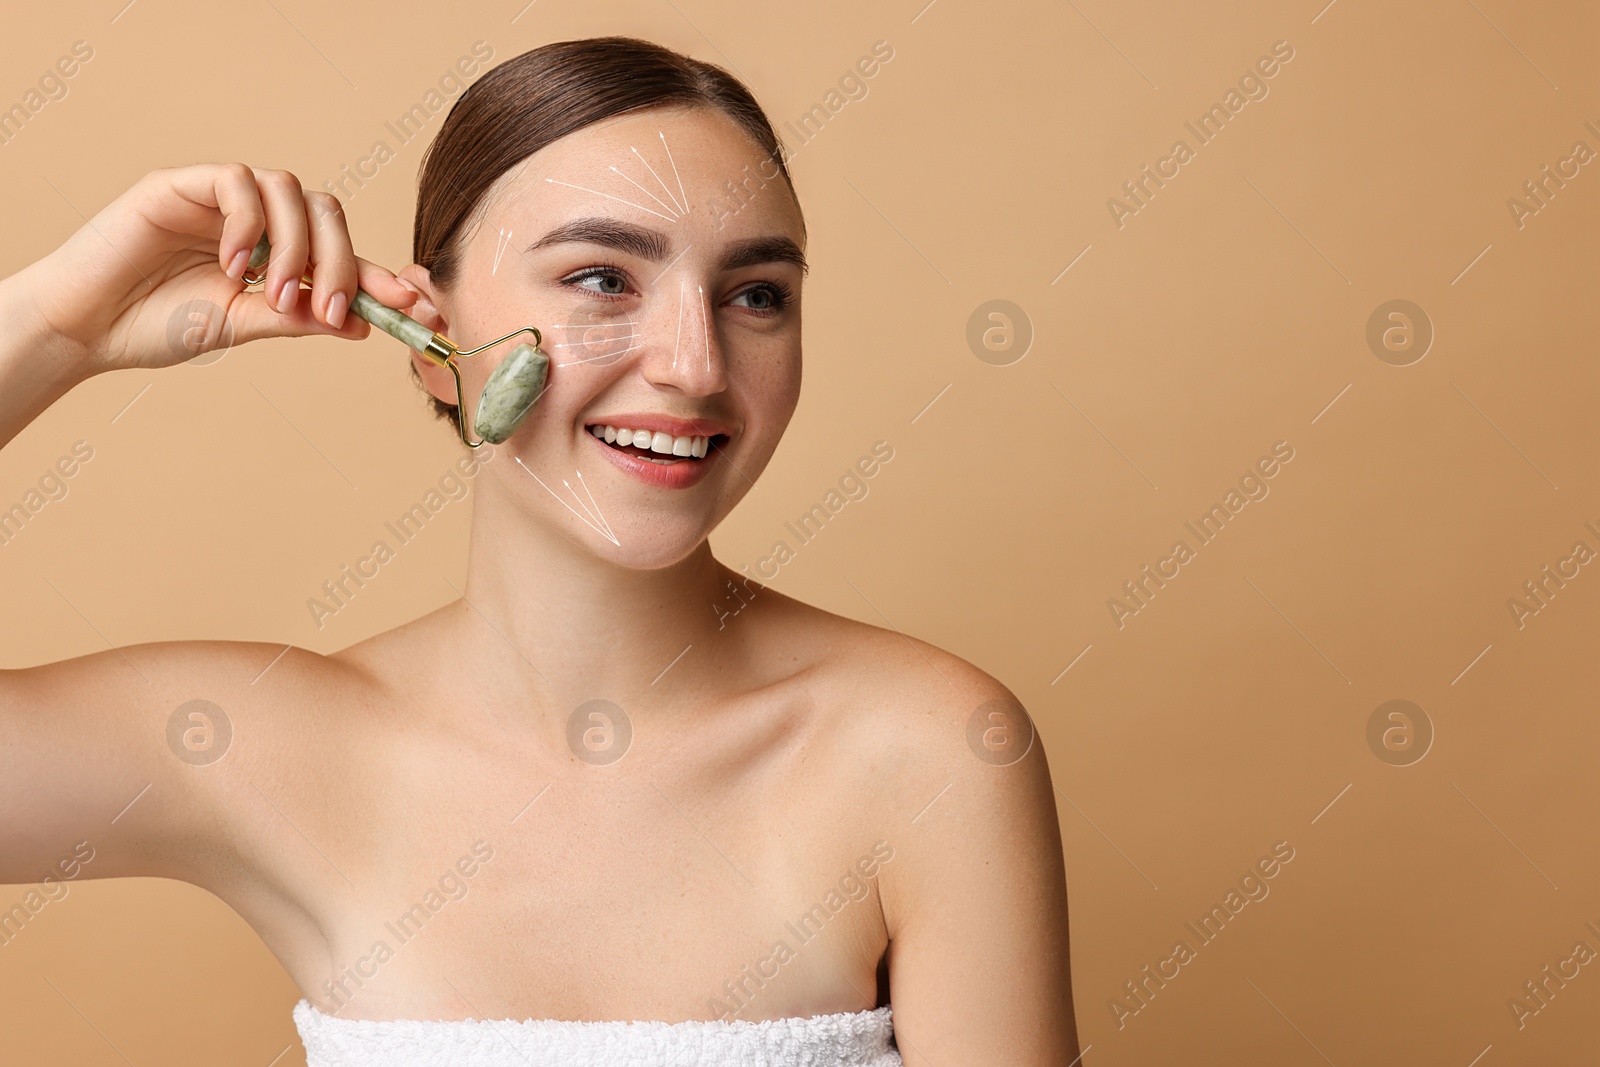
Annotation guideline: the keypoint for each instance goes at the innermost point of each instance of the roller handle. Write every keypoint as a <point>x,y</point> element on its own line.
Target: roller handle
<point>396,324</point>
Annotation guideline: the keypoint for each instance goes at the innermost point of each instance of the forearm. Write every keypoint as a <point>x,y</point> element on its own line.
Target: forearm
<point>37,367</point>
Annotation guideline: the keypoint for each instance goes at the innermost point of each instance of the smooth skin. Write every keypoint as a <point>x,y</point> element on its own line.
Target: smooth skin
<point>765,762</point>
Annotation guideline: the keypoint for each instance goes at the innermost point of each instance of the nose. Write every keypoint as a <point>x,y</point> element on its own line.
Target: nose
<point>681,352</point>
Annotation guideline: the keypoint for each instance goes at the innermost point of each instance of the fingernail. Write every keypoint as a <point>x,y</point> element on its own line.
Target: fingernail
<point>287,295</point>
<point>336,308</point>
<point>240,259</point>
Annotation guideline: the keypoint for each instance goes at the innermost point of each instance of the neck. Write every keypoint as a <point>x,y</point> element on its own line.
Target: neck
<point>556,621</point>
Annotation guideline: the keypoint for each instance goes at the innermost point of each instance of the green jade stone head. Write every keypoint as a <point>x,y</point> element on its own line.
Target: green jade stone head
<point>510,393</point>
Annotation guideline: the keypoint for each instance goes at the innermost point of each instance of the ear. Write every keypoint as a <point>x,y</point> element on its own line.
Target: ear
<point>439,382</point>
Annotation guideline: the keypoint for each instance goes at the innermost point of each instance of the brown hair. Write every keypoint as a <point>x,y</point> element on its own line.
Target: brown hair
<point>540,96</point>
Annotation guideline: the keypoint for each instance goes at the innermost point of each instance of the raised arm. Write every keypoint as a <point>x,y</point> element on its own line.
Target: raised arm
<point>94,776</point>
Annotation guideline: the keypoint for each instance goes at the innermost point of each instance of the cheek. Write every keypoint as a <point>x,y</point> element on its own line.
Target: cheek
<point>601,333</point>
<point>791,392</point>
<point>768,385</point>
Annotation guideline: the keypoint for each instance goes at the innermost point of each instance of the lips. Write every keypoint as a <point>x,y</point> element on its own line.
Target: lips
<point>659,445</point>
<point>662,471</point>
<point>660,450</point>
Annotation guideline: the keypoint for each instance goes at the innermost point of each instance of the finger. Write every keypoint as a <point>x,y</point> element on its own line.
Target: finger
<point>218,201</point>
<point>384,286</point>
<point>253,319</point>
<point>333,272</point>
<point>243,216</point>
<point>287,231</point>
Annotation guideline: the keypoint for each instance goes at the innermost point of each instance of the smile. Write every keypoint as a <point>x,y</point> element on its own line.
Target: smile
<point>655,447</point>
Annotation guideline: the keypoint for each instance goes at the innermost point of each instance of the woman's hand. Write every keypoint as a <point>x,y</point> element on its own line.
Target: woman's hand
<point>154,278</point>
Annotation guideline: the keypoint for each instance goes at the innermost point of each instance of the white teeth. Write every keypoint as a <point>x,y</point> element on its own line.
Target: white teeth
<point>662,443</point>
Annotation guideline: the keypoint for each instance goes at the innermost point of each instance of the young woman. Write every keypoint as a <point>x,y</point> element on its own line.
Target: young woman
<point>585,795</point>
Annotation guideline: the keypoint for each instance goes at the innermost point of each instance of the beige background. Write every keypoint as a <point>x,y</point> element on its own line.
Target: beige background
<point>1227,315</point>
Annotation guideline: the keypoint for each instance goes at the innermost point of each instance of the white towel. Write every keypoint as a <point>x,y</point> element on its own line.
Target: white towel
<point>852,1039</point>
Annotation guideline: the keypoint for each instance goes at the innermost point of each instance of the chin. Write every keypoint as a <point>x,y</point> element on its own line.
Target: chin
<point>649,542</point>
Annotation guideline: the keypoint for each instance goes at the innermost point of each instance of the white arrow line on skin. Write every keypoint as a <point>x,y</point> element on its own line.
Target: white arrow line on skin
<point>646,192</point>
<point>501,250</point>
<point>675,173</point>
<point>652,170</point>
<point>704,325</point>
<point>618,199</point>
<point>680,326</point>
<point>604,533</point>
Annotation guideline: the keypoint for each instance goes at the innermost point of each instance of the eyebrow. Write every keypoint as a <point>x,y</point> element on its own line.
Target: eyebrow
<point>653,244</point>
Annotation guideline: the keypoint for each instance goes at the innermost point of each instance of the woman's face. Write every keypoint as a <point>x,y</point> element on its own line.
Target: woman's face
<point>669,304</point>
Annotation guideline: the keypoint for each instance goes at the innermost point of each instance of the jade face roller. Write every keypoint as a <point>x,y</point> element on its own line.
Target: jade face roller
<point>508,395</point>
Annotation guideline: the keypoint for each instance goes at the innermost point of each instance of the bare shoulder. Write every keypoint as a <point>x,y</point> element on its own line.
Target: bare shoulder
<point>944,760</point>
<point>901,694</point>
<point>946,766</point>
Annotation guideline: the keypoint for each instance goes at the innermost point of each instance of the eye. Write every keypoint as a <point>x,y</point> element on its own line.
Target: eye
<point>612,282</point>
<point>767,298</point>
